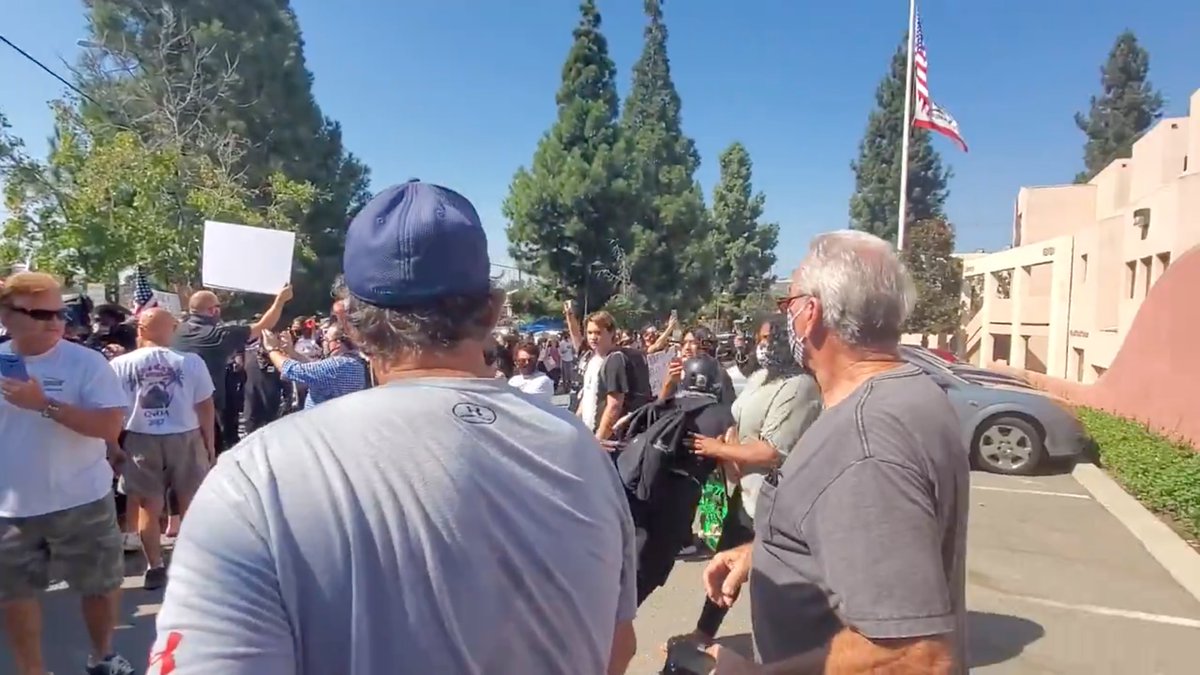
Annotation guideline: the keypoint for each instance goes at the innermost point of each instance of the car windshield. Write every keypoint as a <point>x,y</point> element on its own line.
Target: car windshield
<point>928,362</point>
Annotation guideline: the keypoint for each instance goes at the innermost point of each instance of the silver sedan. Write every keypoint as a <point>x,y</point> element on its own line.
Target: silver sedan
<point>1008,429</point>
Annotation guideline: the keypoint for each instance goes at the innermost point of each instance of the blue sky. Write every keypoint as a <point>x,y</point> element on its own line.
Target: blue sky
<point>459,91</point>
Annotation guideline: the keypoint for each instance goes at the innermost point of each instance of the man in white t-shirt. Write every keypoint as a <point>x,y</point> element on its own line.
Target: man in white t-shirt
<point>60,403</point>
<point>169,431</point>
<point>417,526</point>
<point>528,378</point>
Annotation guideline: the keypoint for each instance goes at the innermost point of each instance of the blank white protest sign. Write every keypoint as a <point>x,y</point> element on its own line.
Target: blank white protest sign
<point>243,258</point>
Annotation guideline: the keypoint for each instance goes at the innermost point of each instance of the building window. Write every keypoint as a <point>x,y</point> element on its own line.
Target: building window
<point>1164,261</point>
<point>1130,278</point>
<point>1083,268</point>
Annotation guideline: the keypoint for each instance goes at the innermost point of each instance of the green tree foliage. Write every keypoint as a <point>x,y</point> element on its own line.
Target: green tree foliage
<point>928,254</point>
<point>245,59</point>
<point>672,254</point>
<point>876,198</point>
<point>534,301</point>
<point>1124,110</point>
<point>570,210</point>
<point>745,248</point>
<point>104,201</point>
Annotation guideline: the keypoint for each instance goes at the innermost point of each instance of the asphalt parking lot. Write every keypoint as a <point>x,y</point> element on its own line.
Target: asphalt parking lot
<point>1056,585</point>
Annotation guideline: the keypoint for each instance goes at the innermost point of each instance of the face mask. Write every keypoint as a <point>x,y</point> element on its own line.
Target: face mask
<point>761,352</point>
<point>796,341</point>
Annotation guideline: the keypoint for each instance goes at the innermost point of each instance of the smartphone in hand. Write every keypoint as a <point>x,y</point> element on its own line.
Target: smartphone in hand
<point>685,657</point>
<point>12,367</point>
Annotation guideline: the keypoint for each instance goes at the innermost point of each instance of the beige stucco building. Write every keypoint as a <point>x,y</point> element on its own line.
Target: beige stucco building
<point>1084,257</point>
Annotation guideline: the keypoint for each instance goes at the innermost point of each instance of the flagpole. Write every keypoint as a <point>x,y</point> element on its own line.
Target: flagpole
<point>908,88</point>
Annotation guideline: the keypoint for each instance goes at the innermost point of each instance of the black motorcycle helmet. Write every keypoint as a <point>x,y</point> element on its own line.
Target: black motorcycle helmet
<point>702,375</point>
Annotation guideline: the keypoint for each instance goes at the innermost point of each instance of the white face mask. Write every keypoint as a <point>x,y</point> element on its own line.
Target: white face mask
<point>760,352</point>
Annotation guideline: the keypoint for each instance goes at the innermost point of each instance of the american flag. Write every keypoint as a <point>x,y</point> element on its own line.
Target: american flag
<point>927,114</point>
<point>143,293</point>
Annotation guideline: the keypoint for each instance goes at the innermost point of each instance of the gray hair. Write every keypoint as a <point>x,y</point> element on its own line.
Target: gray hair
<point>437,325</point>
<point>865,291</point>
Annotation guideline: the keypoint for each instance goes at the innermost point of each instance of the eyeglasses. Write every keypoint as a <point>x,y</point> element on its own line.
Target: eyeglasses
<point>44,314</point>
<point>782,304</point>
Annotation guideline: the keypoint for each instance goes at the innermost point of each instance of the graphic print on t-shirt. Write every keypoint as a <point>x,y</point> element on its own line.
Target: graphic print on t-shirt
<point>156,384</point>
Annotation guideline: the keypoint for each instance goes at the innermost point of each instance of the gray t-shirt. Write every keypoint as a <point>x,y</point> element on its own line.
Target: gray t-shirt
<point>865,524</point>
<point>427,526</point>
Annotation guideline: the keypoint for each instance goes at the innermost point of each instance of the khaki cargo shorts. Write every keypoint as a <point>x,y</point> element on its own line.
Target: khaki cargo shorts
<point>84,542</point>
<point>176,461</point>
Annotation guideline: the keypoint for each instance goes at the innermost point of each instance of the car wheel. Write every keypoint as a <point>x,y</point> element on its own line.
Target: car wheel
<point>1008,445</point>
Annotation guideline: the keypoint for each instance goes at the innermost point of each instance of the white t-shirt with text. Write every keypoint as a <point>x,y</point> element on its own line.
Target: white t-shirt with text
<point>162,387</point>
<point>44,466</point>
<point>537,384</point>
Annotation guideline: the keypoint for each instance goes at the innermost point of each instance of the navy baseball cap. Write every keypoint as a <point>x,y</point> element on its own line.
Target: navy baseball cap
<point>413,243</point>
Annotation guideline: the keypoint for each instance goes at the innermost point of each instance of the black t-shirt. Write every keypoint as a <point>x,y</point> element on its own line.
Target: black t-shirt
<point>215,343</point>
<point>623,371</point>
<point>264,386</point>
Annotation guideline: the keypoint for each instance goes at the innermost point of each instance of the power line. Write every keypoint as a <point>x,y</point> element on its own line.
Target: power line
<point>46,68</point>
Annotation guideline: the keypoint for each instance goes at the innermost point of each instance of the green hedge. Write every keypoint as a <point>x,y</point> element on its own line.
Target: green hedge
<point>1163,474</point>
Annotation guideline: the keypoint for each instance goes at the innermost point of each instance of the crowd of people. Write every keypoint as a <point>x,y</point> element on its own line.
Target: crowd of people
<point>429,509</point>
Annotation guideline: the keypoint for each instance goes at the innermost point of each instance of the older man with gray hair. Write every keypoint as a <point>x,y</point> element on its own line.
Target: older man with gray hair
<point>441,522</point>
<point>859,565</point>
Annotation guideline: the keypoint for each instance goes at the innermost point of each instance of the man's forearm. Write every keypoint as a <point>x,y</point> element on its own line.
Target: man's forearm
<point>269,318</point>
<point>608,418</point>
<point>851,653</point>
<point>104,423</point>
<point>811,662</point>
<point>206,413</point>
<point>624,648</point>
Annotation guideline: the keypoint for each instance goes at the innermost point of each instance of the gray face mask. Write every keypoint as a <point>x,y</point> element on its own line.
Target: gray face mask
<point>762,353</point>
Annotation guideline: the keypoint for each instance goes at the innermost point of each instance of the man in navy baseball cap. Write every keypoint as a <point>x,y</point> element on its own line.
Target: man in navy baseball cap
<point>413,243</point>
<point>425,514</point>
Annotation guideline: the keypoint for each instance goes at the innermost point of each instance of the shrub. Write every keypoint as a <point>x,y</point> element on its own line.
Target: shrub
<point>1163,474</point>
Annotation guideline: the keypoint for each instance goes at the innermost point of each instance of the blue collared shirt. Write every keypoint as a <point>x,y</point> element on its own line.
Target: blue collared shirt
<point>328,378</point>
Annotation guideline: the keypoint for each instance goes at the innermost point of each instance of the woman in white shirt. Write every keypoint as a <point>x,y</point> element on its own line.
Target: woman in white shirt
<point>527,378</point>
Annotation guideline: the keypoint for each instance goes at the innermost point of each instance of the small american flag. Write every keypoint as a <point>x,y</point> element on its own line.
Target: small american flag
<point>143,293</point>
<point>927,114</point>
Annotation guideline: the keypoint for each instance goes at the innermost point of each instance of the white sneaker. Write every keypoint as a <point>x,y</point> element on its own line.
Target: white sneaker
<point>131,542</point>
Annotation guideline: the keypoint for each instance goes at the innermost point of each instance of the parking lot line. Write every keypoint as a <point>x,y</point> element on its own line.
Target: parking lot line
<point>1108,611</point>
<point>1024,491</point>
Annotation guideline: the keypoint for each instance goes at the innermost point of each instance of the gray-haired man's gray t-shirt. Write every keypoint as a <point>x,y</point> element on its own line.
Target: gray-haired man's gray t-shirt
<point>866,523</point>
<point>430,526</point>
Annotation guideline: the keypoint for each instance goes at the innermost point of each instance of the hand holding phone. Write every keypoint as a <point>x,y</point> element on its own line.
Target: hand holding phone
<point>685,657</point>
<point>12,367</point>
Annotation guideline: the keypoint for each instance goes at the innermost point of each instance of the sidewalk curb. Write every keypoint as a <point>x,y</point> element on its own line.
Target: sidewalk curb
<point>1173,553</point>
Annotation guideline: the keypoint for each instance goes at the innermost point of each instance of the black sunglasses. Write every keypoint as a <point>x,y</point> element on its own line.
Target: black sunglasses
<point>63,314</point>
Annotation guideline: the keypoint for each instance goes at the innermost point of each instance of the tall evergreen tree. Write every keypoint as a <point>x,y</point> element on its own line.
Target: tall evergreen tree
<point>745,248</point>
<point>672,259</point>
<point>937,274</point>
<point>267,101</point>
<point>569,213</point>
<point>876,198</point>
<point>1125,109</point>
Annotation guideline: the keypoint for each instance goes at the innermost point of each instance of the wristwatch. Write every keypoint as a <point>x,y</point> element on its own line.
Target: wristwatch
<point>52,408</point>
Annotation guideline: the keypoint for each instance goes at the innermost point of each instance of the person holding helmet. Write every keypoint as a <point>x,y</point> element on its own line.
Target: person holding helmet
<point>663,476</point>
<point>698,340</point>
